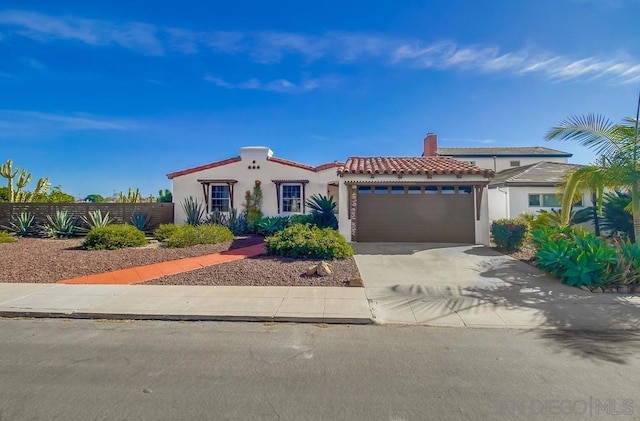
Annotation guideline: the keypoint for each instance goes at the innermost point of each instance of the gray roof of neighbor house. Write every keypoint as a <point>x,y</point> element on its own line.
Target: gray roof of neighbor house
<point>529,151</point>
<point>543,174</point>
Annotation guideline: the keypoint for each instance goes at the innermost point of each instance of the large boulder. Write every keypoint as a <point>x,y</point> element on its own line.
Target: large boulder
<point>323,269</point>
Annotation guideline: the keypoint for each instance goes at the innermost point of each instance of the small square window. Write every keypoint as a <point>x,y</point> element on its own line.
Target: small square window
<point>364,189</point>
<point>448,190</point>
<point>514,163</point>
<point>397,189</point>
<point>465,190</point>
<point>381,189</point>
<point>413,190</point>
<point>430,189</point>
<point>534,200</point>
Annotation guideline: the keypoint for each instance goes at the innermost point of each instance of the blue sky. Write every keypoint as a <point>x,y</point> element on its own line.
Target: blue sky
<point>100,98</point>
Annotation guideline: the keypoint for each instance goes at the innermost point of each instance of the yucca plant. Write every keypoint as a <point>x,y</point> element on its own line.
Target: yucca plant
<point>140,221</point>
<point>23,224</point>
<point>97,219</point>
<point>323,211</point>
<point>61,225</point>
<point>193,211</point>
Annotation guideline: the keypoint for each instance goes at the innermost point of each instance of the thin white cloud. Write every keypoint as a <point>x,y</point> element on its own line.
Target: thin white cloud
<point>277,85</point>
<point>343,47</point>
<point>79,121</point>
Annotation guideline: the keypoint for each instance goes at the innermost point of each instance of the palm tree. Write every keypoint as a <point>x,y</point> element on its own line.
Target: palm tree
<point>591,177</point>
<point>618,144</point>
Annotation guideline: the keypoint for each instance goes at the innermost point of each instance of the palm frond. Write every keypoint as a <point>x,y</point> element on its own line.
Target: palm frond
<point>593,131</point>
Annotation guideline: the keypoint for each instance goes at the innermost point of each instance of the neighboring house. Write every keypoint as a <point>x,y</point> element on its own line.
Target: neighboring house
<point>221,185</point>
<point>414,199</point>
<point>529,188</point>
<point>497,159</point>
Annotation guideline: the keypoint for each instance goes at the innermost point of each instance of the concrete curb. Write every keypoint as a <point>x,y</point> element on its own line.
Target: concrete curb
<point>184,317</point>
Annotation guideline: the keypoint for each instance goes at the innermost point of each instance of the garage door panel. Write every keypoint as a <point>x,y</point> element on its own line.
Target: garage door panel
<point>416,218</point>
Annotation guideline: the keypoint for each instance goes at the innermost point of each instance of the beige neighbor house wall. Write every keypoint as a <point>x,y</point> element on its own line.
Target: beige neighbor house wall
<point>481,224</point>
<point>502,163</point>
<point>254,163</point>
<point>512,201</point>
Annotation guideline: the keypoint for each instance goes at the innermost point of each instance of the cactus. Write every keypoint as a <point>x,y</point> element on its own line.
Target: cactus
<point>131,197</point>
<point>16,193</point>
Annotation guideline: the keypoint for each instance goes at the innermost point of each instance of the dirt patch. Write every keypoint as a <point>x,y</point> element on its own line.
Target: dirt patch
<point>264,271</point>
<point>45,260</point>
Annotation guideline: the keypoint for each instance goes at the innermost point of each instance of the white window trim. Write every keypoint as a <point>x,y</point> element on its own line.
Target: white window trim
<point>282,211</point>
<point>211,186</point>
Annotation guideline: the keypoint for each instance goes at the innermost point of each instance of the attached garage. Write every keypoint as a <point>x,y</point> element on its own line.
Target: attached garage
<point>415,213</point>
<point>422,199</point>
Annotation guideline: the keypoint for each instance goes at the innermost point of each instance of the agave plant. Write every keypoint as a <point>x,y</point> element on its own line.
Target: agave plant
<point>323,211</point>
<point>140,221</point>
<point>61,225</point>
<point>23,224</point>
<point>193,211</point>
<point>97,219</point>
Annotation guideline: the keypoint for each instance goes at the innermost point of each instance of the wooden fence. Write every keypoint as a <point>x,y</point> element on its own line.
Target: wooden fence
<point>160,213</point>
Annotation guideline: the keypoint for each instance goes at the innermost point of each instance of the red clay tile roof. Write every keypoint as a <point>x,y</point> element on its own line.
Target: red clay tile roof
<point>203,167</point>
<point>272,159</point>
<point>411,165</point>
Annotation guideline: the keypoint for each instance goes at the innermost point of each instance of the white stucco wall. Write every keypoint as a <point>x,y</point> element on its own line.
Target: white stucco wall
<point>482,226</point>
<point>516,201</point>
<point>502,163</point>
<point>188,185</point>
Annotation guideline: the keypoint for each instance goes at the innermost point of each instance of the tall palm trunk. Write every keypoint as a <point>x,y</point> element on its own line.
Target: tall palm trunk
<point>635,203</point>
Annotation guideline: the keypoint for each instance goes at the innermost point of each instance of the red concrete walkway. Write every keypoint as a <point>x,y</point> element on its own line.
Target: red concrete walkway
<point>138,274</point>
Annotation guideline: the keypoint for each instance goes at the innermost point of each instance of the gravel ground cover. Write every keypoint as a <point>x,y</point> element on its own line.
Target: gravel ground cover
<point>47,261</point>
<point>265,271</point>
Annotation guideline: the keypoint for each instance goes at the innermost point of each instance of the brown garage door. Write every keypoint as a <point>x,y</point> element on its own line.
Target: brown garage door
<point>442,214</point>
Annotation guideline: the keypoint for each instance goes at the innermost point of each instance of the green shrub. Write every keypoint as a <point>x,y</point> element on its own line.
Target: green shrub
<point>269,225</point>
<point>575,256</point>
<point>114,237</point>
<point>300,219</point>
<point>509,234</point>
<point>306,241</point>
<point>164,231</point>
<point>189,235</point>
<point>627,268</point>
<point>5,237</point>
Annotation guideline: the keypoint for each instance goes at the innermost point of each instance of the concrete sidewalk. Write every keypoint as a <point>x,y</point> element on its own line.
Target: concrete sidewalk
<point>280,304</point>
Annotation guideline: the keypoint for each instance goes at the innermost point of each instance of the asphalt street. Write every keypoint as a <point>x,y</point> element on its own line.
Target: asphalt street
<point>108,370</point>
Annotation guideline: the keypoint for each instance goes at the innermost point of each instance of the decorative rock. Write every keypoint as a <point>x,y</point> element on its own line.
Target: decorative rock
<point>634,289</point>
<point>323,269</point>
<point>312,270</point>
<point>622,289</point>
<point>609,290</point>
<point>356,282</point>
<point>598,289</point>
<point>585,288</point>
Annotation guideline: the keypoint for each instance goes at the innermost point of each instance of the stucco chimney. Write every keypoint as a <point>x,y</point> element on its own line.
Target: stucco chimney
<point>430,145</point>
<point>251,153</point>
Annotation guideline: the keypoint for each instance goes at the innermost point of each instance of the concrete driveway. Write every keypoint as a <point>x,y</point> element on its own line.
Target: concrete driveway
<point>475,286</point>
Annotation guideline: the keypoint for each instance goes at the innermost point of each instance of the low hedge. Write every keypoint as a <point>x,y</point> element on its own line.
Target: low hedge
<point>113,237</point>
<point>189,235</point>
<point>164,231</point>
<point>308,241</point>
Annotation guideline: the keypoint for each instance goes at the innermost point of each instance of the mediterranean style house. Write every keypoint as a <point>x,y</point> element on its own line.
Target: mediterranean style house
<point>445,195</point>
